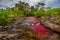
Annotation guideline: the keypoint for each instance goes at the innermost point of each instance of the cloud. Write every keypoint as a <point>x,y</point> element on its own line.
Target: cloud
<point>8,3</point>
<point>49,3</point>
<point>32,2</point>
<point>11,3</point>
<point>53,3</point>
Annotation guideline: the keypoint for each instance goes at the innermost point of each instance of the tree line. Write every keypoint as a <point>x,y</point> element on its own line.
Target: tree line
<point>23,9</point>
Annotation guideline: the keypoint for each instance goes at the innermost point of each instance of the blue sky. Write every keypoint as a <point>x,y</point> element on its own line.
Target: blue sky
<point>11,3</point>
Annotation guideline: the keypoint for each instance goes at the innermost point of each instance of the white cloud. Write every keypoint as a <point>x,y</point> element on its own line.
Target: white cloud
<point>11,3</point>
<point>8,3</point>
<point>32,2</point>
<point>49,3</point>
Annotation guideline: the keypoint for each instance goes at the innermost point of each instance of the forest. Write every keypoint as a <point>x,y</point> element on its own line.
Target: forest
<point>23,9</point>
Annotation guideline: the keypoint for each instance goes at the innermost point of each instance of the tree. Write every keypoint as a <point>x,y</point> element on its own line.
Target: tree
<point>22,5</point>
<point>40,5</point>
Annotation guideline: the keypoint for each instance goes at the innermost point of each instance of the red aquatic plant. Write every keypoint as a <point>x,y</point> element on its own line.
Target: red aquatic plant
<point>39,28</point>
<point>32,19</point>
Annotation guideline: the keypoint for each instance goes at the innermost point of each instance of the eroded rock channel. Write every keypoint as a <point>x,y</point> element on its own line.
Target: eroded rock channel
<point>30,28</point>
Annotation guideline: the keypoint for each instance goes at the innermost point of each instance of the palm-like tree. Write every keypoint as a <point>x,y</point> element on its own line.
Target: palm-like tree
<point>22,5</point>
<point>40,5</point>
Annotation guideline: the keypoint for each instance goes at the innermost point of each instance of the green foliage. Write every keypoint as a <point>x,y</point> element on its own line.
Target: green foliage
<point>39,13</point>
<point>23,9</point>
<point>28,13</point>
<point>3,16</point>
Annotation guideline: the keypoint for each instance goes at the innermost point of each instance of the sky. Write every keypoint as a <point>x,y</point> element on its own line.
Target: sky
<point>11,3</point>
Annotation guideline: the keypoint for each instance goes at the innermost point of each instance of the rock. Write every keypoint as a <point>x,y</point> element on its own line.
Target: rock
<point>28,28</point>
<point>53,26</point>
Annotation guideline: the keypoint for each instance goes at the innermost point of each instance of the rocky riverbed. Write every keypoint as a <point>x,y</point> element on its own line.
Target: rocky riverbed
<point>30,28</point>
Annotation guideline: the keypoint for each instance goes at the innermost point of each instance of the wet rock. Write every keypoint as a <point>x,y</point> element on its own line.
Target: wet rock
<point>28,28</point>
<point>53,26</point>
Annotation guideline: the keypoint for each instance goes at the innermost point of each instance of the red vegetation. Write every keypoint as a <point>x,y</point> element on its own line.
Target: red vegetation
<point>38,28</point>
<point>32,19</point>
<point>41,30</point>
